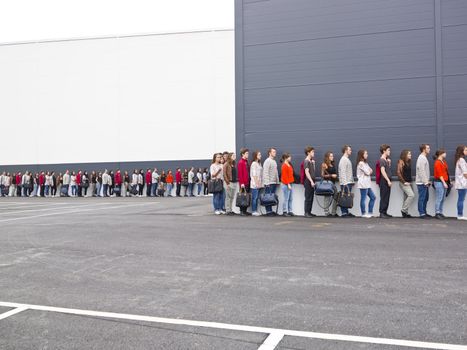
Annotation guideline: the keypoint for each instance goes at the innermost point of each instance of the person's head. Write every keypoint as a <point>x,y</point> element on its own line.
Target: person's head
<point>244,153</point>
<point>328,158</point>
<point>169,172</point>
<point>309,152</point>
<point>461,152</point>
<point>346,150</point>
<point>385,150</point>
<point>230,159</point>
<point>67,172</point>
<point>135,171</point>
<point>362,156</point>
<point>200,170</point>
<point>225,154</point>
<point>272,152</point>
<point>73,173</point>
<point>256,156</point>
<point>406,156</point>
<point>286,158</point>
<point>425,148</point>
<point>216,158</point>
<point>440,154</point>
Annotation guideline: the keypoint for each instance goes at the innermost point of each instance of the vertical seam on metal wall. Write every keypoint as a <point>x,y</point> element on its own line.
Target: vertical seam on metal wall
<point>439,74</point>
<point>239,77</point>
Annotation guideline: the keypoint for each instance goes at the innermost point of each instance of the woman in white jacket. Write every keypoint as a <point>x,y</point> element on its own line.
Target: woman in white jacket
<point>364,172</point>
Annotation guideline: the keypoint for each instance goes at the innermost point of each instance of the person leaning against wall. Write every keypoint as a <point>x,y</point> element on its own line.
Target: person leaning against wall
<point>346,176</point>
<point>385,182</point>
<point>461,179</point>
<point>364,173</point>
<point>256,182</point>
<point>441,181</point>
<point>244,175</point>
<point>422,180</point>
<point>309,166</point>
<point>404,174</point>
<point>229,173</point>
<point>270,177</point>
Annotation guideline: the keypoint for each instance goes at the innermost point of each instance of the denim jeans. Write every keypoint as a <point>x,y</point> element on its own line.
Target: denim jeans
<point>254,199</point>
<point>346,188</point>
<point>200,187</point>
<point>363,193</point>
<point>460,202</point>
<point>440,196</point>
<point>98,189</point>
<point>270,189</point>
<point>105,191</point>
<point>423,196</point>
<point>191,185</point>
<point>47,187</point>
<point>74,190</point>
<point>154,189</point>
<point>218,201</point>
<point>287,204</point>
<point>169,190</point>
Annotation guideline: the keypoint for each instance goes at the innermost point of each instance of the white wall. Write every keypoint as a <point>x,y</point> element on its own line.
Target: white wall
<point>141,98</point>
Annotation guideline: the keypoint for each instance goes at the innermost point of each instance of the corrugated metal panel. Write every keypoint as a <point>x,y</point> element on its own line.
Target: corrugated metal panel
<point>454,12</point>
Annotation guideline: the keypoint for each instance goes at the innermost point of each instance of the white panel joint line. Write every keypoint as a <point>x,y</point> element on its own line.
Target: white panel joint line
<point>272,341</point>
<point>275,333</point>
<point>12,312</point>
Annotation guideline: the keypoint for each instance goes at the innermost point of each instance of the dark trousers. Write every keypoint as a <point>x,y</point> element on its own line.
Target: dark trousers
<point>179,189</point>
<point>309,194</point>
<point>105,191</point>
<point>148,189</point>
<point>80,191</point>
<point>385,194</point>
<point>42,191</point>
<point>18,190</point>
<point>54,191</point>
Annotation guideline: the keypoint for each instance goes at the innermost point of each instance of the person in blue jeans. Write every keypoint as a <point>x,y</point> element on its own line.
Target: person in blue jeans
<point>270,177</point>
<point>461,179</point>
<point>364,172</point>
<point>216,171</point>
<point>422,179</point>
<point>256,182</point>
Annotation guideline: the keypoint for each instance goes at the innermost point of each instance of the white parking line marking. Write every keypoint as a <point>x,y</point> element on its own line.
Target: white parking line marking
<point>65,211</point>
<point>12,312</point>
<point>271,341</point>
<point>49,209</point>
<point>234,327</point>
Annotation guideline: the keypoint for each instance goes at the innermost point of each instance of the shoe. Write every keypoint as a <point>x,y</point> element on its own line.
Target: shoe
<point>388,215</point>
<point>429,216</point>
<point>462,218</point>
<point>350,215</point>
<point>223,212</point>
<point>424,216</point>
<point>217,212</point>
<point>404,214</point>
<point>442,215</point>
<point>439,217</point>
<point>285,214</point>
<point>308,215</point>
<point>256,214</point>
<point>291,213</point>
<point>367,216</point>
<point>384,216</point>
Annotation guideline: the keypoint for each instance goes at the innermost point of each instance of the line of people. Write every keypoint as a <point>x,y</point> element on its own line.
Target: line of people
<point>189,182</point>
<point>336,181</point>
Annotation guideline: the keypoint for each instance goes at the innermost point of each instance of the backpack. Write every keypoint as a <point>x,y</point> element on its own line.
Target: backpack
<point>302,172</point>
<point>378,172</point>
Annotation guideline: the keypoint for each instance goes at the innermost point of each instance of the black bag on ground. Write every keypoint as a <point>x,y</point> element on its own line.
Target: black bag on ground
<point>215,186</point>
<point>345,199</point>
<point>243,199</point>
<point>134,190</point>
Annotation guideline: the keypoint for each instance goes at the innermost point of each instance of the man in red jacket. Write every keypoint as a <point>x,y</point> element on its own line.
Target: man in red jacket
<point>18,184</point>
<point>118,183</point>
<point>148,182</point>
<point>243,175</point>
<point>41,184</point>
<point>78,183</point>
<point>178,181</point>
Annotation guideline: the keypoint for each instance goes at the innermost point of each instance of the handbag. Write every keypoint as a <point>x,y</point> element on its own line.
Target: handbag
<point>345,199</point>
<point>324,188</point>
<point>215,186</point>
<point>268,199</point>
<point>243,199</point>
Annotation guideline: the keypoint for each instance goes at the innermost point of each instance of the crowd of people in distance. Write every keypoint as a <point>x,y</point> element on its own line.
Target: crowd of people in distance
<point>257,180</point>
<point>189,183</point>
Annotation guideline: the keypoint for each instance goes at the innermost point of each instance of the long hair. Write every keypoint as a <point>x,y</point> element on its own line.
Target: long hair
<point>214,157</point>
<point>405,157</point>
<point>459,153</point>
<point>229,160</point>
<point>438,153</point>
<point>255,156</point>
<point>327,159</point>
<point>361,156</point>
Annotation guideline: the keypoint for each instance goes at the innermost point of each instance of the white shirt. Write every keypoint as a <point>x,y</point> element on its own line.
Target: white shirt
<point>461,170</point>
<point>134,179</point>
<point>363,175</point>
<point>256,173</point>
<point>155,177</point>
<point>191,175</point>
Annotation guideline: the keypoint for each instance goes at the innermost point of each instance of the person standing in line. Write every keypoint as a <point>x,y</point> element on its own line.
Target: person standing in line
<point>85,183</point>
<point>8,179</point>
<point>191,182</point>
<point>385,181</point>
<point>230,182</point>
<point>178,182</point>
<point>309,166</point>
<point>199,181</point>
<point>270,176</point>
<point>48,184</point>
<point>25,184</point>
<point>205,182</point>
<point>329,173</point>
<point>59,184</point>
<point>461,179</point>
<point>162,184</point>
<point>140,183</point>
<point>66,182</point>
<point>99,184</point>
<point>170,183</point>
<point>79,183</point>
<point>134,183</point>
<point>111,183</point>
<point>93,183</point>
<point>2,184</point>
<point>287,179</point>
<point>105,183</point>
<point>185,182</point>
<point>19,184</point>
<point>33,187</point>
<point>126,183</point>
<point>41,185</point>
<point>243,175</point>
<point>118,183</point>
<point>364,173</point>
<point>256,183</point>
<point>404,174</point>
<point>13,185</point>
<point>346,176</point>
<point>217,173</point>
<point>73,184</point>
<point>154,183</point>
<point>422,180</point>
<point>441,181</point>
<point>148,183</point>
<point>54,184</point>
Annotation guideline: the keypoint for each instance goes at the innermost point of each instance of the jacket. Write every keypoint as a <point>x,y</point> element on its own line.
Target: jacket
<point>243,175</point>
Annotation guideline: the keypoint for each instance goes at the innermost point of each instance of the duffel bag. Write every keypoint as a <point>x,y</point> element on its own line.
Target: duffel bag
<point>324,188</point>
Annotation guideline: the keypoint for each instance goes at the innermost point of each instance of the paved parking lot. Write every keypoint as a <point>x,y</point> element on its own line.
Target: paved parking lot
<point>166,266</point>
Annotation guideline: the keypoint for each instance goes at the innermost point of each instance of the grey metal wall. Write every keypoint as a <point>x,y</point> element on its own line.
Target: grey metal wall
<point>362,72</point>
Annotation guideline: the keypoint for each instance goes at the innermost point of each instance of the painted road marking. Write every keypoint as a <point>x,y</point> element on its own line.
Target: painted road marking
<point>234,327</point>
<point>76,211</point>
<point>271,341</point>
<point>50,209</point>
<point>12,312</point>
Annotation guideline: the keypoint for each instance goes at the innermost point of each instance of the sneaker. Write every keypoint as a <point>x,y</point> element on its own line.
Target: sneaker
<point>384,216</point>
<point>256,214</point>
<point>217,212</point>
<point>223,212</point>
<point>308,215</point>
<point>291,214</point>
<point>350,215</point>
<point>285,214</point>
<point>439,217</point>
<point>366,216</point>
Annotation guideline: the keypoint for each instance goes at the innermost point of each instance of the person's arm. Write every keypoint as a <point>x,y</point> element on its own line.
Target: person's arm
<point>400,166</point>
<point>440,166</point>
<point>308,175</point>
<point>385,175</point>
